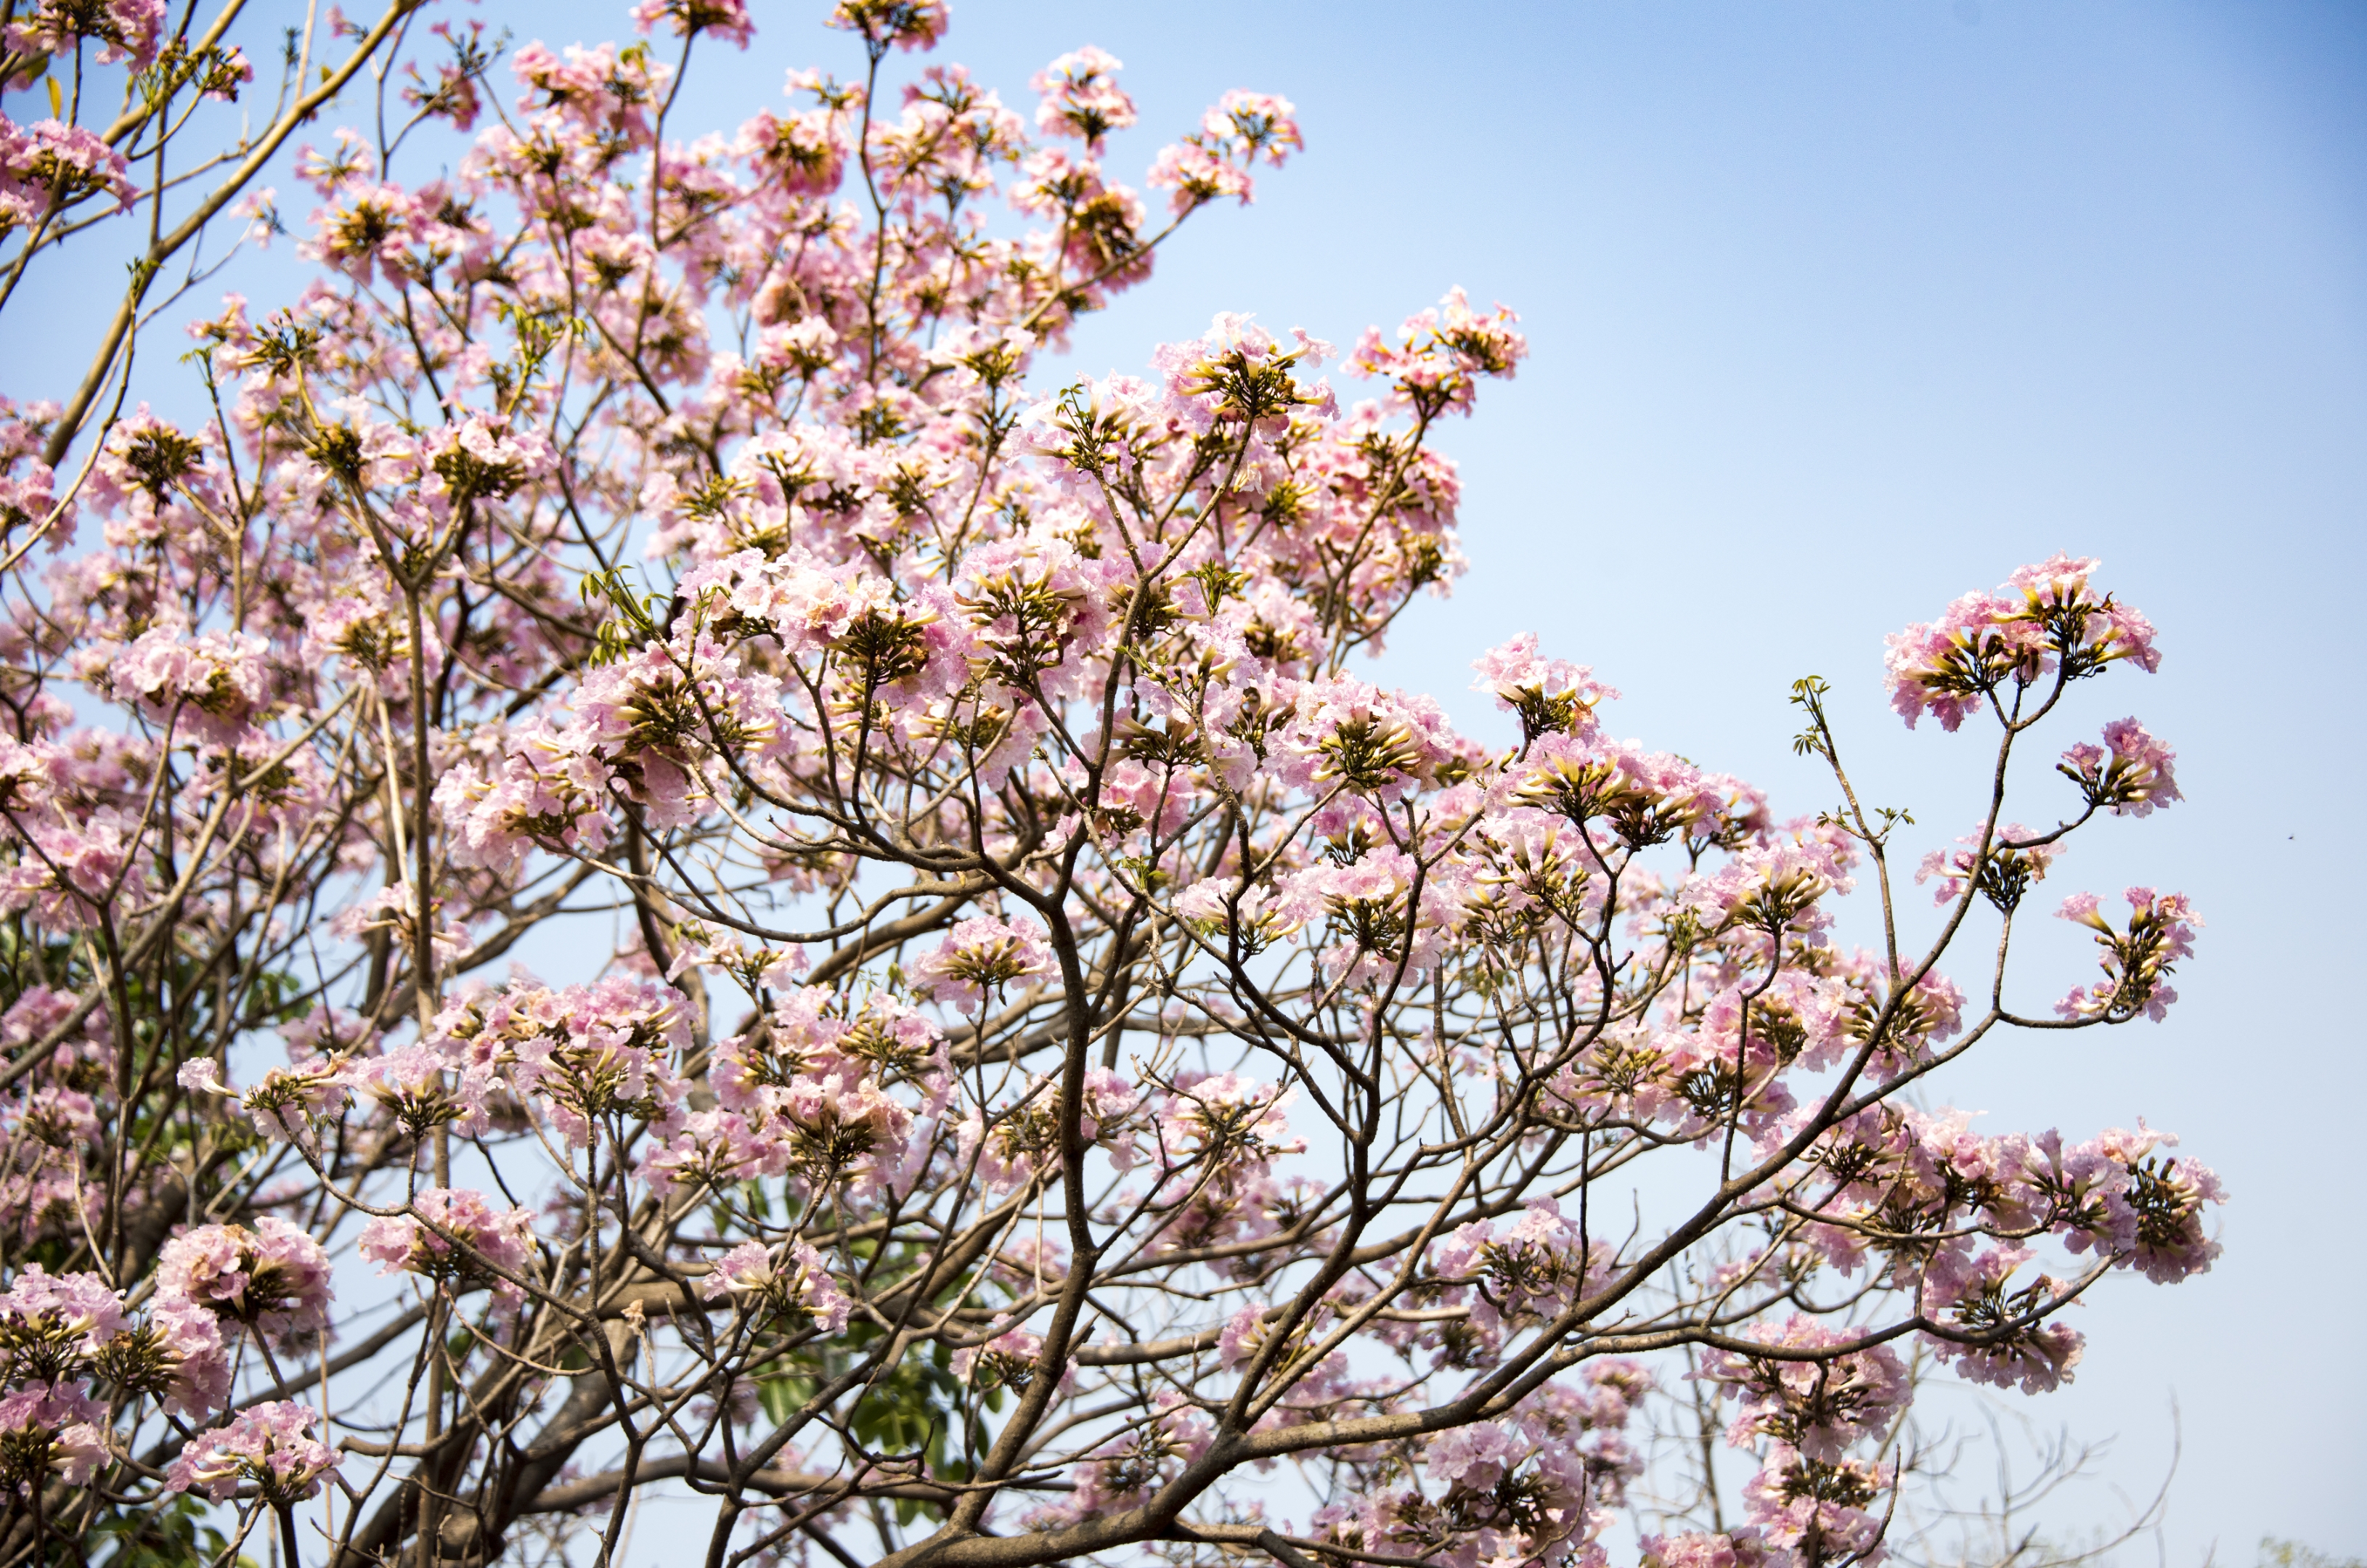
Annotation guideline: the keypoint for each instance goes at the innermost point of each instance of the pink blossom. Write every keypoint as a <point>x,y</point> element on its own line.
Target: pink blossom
<point>582,1054</point>
<point>1530,1272</point>
<point>906,24</point>
<point>288,1102</point>
<point>2038,1355</point>
<point>2130,774</point>
<point>1198,173</point>
<point>2014,861</point>
<point>1477,1455</point>
<point>719,1149</point>
<point>269,1446</point>
<point>457,1238</point>
<point>805,154</point>
<point>1234,1123</point>
<point>1948,669</point>
<point>546,784</point>
<point>2057,590</point>
<point>1642,797</point>
<point>726,18</point>
<point>410,1082</point>
<point>1795,1498</point>
<point>394,910</point>
<point>1082,98</point>
<point>747,1267</point>
<point>981,955</point>
<point>1259,125</point>
<point>1818,1404</point>
<point>1773,891</point>
<point>2160,934</point>
<point>800,1282</point>
<point>76,867</point>
<point>1988,646</point>
<point>1011,1359</point>
<point>2167,1197</point>
<point>48,165</point>
<point>190,1337</point>
<point>53,1323</point>
<point>126,29</point>
<point>1126,1469</point>
<point>50,1429</point>
<point>1434,368</point>
<point>1356,738</point>
<point>275,1276</point>
<point>1551,695</point>
<point>1738,1548</point>
<point>1242,1332</point>
<point>211,683</point>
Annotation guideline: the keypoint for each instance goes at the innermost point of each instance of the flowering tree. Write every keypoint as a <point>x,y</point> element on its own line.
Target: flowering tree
<point>1034,1042</point>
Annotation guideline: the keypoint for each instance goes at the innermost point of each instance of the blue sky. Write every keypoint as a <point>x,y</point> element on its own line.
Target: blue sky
<point>1840,310</point>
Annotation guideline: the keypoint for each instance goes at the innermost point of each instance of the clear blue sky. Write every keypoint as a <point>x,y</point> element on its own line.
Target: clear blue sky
<point>1838,310</point>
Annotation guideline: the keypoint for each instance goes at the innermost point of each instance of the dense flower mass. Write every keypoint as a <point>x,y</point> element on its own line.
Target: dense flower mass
<point>1036,1033</point>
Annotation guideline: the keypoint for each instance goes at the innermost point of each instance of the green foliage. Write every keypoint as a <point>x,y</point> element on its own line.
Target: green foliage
<point>172,1536</point>
<point>2278,1554</point>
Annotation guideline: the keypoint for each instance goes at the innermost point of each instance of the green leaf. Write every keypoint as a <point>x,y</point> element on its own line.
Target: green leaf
<point>781,1398</point>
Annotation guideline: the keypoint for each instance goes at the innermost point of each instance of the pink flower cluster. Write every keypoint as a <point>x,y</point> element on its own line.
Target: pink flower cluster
<point>2111,1195</point>
<point>1433,368</point>
<point>580,1056</point>
<point>1552,696</point>
<point>1991,647</point>
<point>904,24</point>
<point>725,18</point>
<point>2007,1340</point>
<point>125,31</point>
<point>58,1331</point>
<point>50,1430</point>
<point>813,1094</point>
<point>458,1239</point>
<point>46,168</point>
<point>1640,799</point>
<point>50,1323</point>
<point>1530,1272</point>
<point>1082,98</point>
<point>1820,1406</point>
<point>979,958</point>
<point>751,1276</point>
<point>273,1279</point>
<point>289,1103</point>
<point>1536,1486</point>
<point>72,868</point>
<point>1241,131</point>
<point>2130,774</point>
<point>2159,934</point>
<point>269,1446</point>
<point>2016,858</point>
